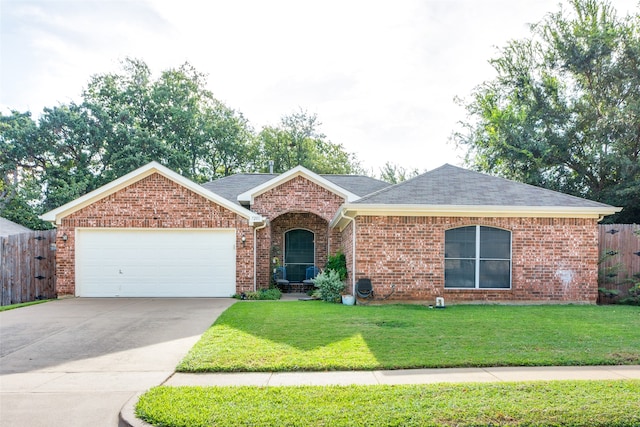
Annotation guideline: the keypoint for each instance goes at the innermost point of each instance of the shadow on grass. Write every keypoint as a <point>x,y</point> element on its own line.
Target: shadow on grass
<point>313,335</point>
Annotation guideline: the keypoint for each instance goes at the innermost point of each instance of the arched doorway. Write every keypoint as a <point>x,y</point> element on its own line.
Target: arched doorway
<point>299,253</point>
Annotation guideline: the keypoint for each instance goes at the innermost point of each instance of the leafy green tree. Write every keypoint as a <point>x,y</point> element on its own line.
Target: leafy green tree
<point>394,174</point>
<point>122,105</point>
<point>21,167</point>
<point>298,141</point>
<point>126,120</point>
<point>71,155</point>
<point>174,120</point>
<point>564,109</point>
<point>18,139</point>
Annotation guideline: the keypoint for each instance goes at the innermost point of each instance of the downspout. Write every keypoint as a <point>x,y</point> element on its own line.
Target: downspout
<point>353,249</point>
<point>255,255</point>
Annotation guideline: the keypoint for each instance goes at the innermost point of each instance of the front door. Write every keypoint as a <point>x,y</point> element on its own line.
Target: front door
<point>299,252</point>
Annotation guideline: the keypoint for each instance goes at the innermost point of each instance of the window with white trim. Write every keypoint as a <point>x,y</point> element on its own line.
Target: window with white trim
<point>477,257</point>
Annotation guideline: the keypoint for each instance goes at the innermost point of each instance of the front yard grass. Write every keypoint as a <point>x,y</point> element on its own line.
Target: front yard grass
<point>317,336</point>
<point>557,403</point>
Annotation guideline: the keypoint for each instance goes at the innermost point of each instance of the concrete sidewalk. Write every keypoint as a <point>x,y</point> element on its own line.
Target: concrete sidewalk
<point>401,376</point>
<point>408,376</point>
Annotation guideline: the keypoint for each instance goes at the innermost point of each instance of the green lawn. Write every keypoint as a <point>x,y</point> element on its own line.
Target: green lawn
<point>313,335</point>
<point>558,403</point>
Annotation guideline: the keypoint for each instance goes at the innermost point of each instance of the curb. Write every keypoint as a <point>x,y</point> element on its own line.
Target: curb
<point>127,417</point>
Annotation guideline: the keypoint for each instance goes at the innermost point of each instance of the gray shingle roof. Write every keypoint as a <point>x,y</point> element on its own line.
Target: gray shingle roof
<point>8,228</point>
<point>357,184</point>
<point>453,186</point>
<point>231,186</point>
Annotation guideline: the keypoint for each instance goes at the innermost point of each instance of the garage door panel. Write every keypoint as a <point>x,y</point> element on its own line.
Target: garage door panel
<point>189,263</point>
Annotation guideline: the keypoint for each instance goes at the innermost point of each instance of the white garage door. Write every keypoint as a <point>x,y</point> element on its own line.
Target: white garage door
<point>155,263</point>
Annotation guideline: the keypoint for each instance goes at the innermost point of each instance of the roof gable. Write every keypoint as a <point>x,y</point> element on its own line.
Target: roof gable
<point>56,215</point>
<point>249,195</point>
<point>231,186</point>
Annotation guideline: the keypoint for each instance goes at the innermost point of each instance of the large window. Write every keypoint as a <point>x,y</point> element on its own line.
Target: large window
<point>477,257</point>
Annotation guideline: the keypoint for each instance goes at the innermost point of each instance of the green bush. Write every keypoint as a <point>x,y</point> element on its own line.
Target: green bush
<point>260,294</point>
<point>338,262</point>
<point>634,296</point>
<point>330,285</point>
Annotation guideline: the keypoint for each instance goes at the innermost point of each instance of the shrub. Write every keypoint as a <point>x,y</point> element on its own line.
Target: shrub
<point>634,296</point>
<point>260,294</point>
<point>330,285</point>
<point>338,262</point>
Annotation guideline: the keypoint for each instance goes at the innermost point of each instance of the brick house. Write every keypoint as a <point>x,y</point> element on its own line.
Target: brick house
<point>449,233</point>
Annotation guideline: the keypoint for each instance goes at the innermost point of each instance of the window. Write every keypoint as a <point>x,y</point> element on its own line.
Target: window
<point>477,257</point>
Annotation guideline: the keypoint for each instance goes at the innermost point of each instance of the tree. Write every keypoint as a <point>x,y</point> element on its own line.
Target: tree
<point>564,109</point>
<point>174,120</point>
<point>21,167</point>
<point>125,120</point>
<point>394,174</point>
<point>298,141</point>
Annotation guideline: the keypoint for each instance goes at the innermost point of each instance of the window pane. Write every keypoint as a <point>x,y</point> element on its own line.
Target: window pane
<point>299,247</point>
<point>460,242</point>
<point>495,243</point>
<point>495,274</point>
<point>459,273</point>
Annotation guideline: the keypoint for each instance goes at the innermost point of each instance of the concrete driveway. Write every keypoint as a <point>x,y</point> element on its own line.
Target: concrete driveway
<point>76,362</point>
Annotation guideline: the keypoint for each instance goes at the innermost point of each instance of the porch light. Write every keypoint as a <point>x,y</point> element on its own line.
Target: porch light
<point>65,237</point>
<point>243,239</point>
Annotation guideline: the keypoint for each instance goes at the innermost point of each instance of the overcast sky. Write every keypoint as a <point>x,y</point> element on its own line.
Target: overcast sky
<point>381,75</point>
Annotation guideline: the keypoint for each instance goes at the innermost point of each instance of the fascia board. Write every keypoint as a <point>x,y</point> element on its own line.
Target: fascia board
<point>352,210</point>
<point>57,214</point>
<point>250,195</point>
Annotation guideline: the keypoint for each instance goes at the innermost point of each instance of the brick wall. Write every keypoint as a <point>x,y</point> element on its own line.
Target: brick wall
<point>346,240</point>
<point>297,203</point>
<point>153,202</point>
<point>297,195</point>
<point>553,259</point>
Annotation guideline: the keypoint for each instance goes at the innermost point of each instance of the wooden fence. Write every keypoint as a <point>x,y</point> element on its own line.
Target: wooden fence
<point>27,267</point>
<point>619,249</point>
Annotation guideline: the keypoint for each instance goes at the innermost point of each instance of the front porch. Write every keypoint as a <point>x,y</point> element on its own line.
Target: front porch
<point>298,240</point>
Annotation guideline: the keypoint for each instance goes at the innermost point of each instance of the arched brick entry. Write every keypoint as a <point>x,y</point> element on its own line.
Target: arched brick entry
<point>305,221</point>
